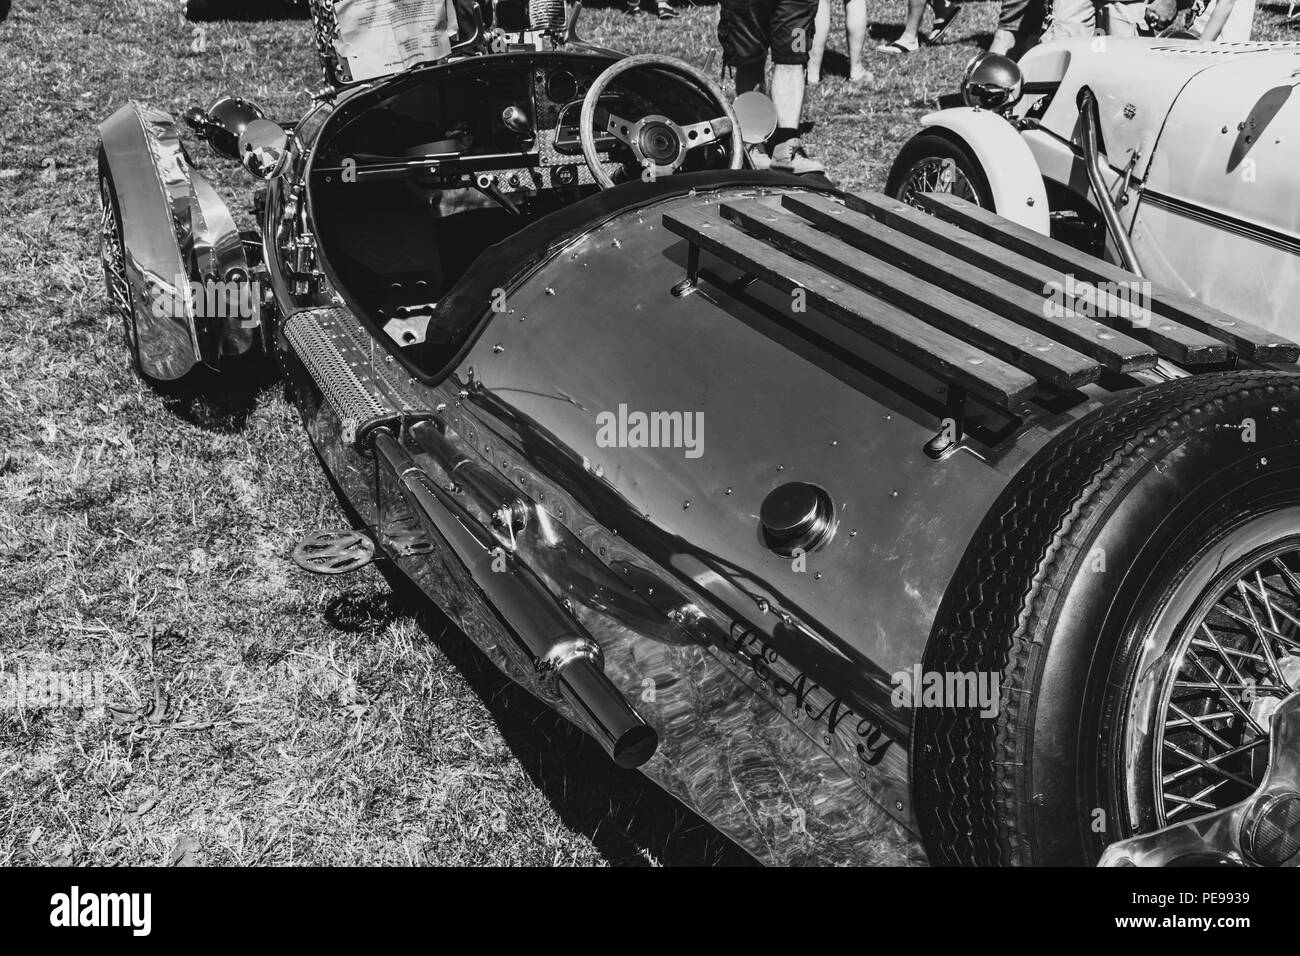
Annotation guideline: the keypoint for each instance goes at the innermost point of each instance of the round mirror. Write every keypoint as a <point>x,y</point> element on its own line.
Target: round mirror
<point>222,123</point>
<point>757,115</point>
<point>263,148</point>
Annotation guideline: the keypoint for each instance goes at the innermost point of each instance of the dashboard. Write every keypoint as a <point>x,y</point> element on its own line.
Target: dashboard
<point>504,124</point>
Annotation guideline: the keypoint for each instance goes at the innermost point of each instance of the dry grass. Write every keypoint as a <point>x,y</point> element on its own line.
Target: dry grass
<point>259,715</point>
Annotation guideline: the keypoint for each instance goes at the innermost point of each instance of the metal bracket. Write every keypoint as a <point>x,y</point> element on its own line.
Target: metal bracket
<point>952,432</point>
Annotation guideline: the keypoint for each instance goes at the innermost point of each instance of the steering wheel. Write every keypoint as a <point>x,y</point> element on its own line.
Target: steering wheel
<point>659,144</point>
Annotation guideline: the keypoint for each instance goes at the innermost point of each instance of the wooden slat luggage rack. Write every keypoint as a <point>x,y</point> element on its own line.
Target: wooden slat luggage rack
<point>960,292</point>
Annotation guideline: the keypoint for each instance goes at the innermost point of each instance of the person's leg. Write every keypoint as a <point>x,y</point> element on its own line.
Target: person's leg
<point>1010,16</point>
<point>787,94</point>
<point>750,76</point>
<point>945,14</point>
<point>855,31</point>
<point>1125,19</point>
<point>821,31</point>
<point>1071,18</point>
<point>743,33</point>
<point>791,27</point>
<point>910,40</point>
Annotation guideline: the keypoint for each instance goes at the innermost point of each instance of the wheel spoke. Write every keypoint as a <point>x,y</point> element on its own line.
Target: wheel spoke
<point>1196,723</point>
<point>1212,744</point>
<point>1260,630</point>
<point>1211,764</point>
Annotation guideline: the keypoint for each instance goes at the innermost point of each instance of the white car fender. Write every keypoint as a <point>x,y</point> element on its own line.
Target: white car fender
<point>1009,166</point>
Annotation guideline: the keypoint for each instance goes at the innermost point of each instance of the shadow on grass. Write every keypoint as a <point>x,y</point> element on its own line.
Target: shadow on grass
<point>218,400</point>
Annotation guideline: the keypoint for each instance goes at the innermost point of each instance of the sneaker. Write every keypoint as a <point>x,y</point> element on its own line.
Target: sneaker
<point>791,157</point>
<point>667,12</point>
<point>758,156</point>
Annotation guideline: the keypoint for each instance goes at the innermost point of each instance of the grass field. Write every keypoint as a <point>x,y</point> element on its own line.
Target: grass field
<point>257,714</point>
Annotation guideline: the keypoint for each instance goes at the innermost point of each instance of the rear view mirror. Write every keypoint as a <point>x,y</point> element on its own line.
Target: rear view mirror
<point>757,115</point>
<point>263,148</point>
<point>222,123</point>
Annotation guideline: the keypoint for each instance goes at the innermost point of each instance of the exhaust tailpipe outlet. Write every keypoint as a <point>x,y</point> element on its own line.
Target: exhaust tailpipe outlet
<point>568,662</point>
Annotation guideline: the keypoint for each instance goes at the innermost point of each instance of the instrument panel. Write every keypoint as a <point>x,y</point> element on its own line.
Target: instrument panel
<point>504,124</point>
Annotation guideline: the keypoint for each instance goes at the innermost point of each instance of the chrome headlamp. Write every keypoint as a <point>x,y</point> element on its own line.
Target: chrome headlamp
<point>992,82</point>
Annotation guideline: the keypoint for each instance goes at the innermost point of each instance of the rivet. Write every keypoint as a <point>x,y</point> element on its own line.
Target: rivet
<point>780,467</point>
<point>853,533</point>
<point>727,492</point>
<point>898,804</point>
<point>685,505</point>
<point>894,493</point>
<point>498,348</point>
<point>550,291</point>
<point>817,575</point>
<point>763,606</point>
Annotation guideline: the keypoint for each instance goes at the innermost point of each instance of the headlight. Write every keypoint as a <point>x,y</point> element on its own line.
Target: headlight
<point>992,82</point>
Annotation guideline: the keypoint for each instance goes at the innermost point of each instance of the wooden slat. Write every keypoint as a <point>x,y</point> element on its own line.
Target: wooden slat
<point>1245,338</point>
<point>931,349</point>
<point>992,262</point>
<point>1172,339</point>
<point>1117,351</point>
<point>1047,360</point>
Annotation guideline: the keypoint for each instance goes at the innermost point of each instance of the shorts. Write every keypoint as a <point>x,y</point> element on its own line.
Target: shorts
<point>747,29</point>
<point>1081,18</point>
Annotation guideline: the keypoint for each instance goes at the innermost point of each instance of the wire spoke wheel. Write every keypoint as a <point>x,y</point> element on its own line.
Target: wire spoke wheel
<point>1238,657</point>
<point>112,255</point>
<point>937,174</point>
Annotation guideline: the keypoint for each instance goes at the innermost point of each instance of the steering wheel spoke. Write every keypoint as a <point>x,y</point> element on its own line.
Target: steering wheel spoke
<point>709,131</point>
<point>614,125</point>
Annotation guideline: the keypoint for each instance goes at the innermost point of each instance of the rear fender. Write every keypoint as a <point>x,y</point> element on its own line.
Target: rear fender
<point>1014,180</point>
<point>191,299</point>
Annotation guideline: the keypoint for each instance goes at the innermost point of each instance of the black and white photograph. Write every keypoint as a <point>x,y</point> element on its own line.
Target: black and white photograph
<point>652,434</point>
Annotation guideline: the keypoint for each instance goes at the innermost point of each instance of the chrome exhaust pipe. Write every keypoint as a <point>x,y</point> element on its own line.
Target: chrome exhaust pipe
<point>1090,142</point>
<point>567,661</point>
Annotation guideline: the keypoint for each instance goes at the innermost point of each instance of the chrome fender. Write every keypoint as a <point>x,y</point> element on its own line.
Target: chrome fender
<point>176,231</point>
<point>1012,173</point>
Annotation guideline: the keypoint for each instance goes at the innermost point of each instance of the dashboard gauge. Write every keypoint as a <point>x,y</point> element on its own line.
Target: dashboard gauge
<point>561,86</point>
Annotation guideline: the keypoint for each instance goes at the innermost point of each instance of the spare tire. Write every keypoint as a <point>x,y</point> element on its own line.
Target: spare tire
<point>1136,593</point>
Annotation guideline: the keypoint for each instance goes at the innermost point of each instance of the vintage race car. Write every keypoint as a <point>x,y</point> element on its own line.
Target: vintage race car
<point>803,504</point>
<point>1174,156</point>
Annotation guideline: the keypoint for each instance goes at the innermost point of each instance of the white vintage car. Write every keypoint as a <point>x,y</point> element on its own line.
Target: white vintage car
<point>1174,158</point>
